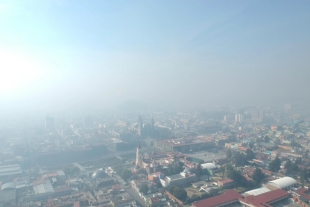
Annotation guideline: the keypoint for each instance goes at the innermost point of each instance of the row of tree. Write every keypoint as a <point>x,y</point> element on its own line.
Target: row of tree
<point>230,172</point>
<point>71,170</point>
<point>274,165</point>
<point>175,168</point>
<point>196,197</point>
<point>235,175</point>
<point>239,158</point>
<point>125,174</point>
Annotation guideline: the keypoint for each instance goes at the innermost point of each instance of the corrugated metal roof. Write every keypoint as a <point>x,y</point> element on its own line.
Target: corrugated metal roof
<point>208,166</point>
<point>283,182</point>
<point>257,191</point>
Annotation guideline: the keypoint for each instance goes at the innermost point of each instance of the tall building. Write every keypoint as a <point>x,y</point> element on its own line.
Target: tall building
<point>257,116</point>
<point>140,122</point>
<point>238,118</point>
<point>139,157</point>
<point>229,118</point>
<point>49,123</point>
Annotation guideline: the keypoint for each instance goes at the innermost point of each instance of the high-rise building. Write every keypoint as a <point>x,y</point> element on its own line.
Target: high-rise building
<point>49,123</point>
<point>229,118</point>
<point>139,156</point>
<point>140,122</point>
<point>238,117</point>
<point>257,116</point>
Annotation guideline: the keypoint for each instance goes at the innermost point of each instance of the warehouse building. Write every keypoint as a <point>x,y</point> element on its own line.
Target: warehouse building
<point>285,183</point>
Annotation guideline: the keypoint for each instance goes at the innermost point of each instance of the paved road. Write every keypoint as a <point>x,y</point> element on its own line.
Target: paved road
<point>136,196</point>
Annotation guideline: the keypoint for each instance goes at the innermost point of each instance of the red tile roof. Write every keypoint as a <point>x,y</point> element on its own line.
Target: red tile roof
<point>54,174</point>
<point>303,192</point>
<point>38,182</point>
<point>227,197</point>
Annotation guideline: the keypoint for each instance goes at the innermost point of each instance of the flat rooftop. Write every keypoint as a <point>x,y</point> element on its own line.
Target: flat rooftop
<point>287,203</point>
<point>175,177</point>
<point>207,156</point>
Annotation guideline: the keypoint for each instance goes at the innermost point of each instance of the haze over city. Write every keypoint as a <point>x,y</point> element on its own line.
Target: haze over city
<point>58,54</point>
<point>154,103</point>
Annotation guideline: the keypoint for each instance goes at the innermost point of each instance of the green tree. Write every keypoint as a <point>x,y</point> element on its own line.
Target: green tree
<point>158,184</point>
<point>266,139</point>
<point>298,161</point>
<point>303,177</point>
<point>279,128</point>
<point>74,169</point>
<point>240,159</point>
<point>274,165</point>
<point>229,154</point>
<point>249,154</point>
<point>195,197</point>
<point>71,170</point>
<point>198,171</point>
<point>222,170</point>
<point>288,166</point>
<point>258,175</point>
<point>251,145</point>
<point>170,170</point>
<point>144,188</point>
<point>126,174</point>
<point>235,176</point>
<point>204,195</point>
<point>178,192</point>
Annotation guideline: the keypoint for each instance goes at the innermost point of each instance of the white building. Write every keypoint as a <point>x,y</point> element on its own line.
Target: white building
<point>238,118</point>
<point>285,183</point>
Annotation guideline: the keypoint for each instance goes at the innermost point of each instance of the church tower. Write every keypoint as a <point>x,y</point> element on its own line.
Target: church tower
<point>139,157</point>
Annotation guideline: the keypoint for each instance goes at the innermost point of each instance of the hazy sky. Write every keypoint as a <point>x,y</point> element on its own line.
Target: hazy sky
<point>76,53</point>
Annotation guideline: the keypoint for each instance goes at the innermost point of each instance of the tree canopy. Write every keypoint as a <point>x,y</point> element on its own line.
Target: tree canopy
<point>178,192</point>
<point>198,171</point>
<point>176,167</point>
<point>235,175</point>
<point>274,165</point>
<point>240,159</point>
<point>71,170</point>
<point>229,154</point>
<point>258,175</point>
<point>126,174</point>
<point>249,154</point>
<point>144,188</point>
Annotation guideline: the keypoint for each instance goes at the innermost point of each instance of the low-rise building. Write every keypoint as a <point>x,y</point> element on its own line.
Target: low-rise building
<point>285,183</point>
<point>266,199</point>
<point>122,199</point>
<point>229,197</point>
<point>181,179</point>
<point>225,183</point>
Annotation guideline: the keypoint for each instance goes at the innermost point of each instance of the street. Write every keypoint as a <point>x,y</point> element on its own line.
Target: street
<point>136,196</point>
